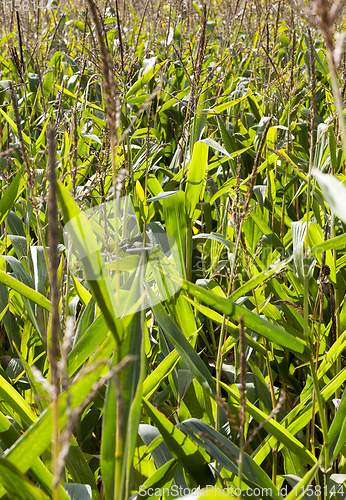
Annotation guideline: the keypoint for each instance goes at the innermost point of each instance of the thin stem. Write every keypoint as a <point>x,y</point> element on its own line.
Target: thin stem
<point>116,233</point>
<point>188,250</point>
<point>242,393</point>
<point>223,327</point>
<point>118,431</point>
<point>321,411</point>
<point>337,308</point>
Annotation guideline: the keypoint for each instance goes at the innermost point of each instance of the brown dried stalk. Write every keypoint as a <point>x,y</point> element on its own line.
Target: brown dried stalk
<point>54,262</point>
<point>325,18</point>
<point>20,136</point>
<point>74,414</point>
<point>8,151</point>
<point>74,151</point>
<point>201,53</point>
<point>110,86</point>
<point>54,297</point>
<point>17,63</point>
<point>20,43</point>
<point>313,93</point>
<point>41,84</point>
<point>120,37</point>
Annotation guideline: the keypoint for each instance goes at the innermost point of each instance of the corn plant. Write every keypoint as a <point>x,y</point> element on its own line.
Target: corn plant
<point>172,250</point>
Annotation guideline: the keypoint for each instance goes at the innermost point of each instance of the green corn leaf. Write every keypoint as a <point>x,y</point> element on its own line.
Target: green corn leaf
<point>24,278</point>
<point>10,196</point>
<point>182,447</point>
<point>9,436</point>
<point>76,461</point>
<point>214,237</point>
<point>145,79</point>
<point>25,290</point>
<point>88,343</point>
<point>83,293</point>
<point>231,328</point>
<point>153,380</point>
<point>185,350</point>
<point>196,177</point>
<point>160,479</point>
<point>251,320</point>
<point>273,427</point>
<point>330,358</point>
<point>299,491</point>
<point>80,99</point>
<point>334,193</point>
<point>174,211</point>
<point>227,454</point>
<point>258,279</point>
<point>130,383</point>
<point>300,416</point>
<point>38,437</point>
<point>337,242</point>
<point>14,127</point>
<point>336,434</point>
<point>220,108</point>
<point>18,404</point>
<point>16,485</point>
<point>98,287</point>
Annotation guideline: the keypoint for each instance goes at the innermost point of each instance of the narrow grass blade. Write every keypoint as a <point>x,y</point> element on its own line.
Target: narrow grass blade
<point>153,380</point>
<point>25,290</point>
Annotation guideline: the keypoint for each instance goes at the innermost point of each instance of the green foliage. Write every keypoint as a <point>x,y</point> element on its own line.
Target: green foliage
<point>215,117</point>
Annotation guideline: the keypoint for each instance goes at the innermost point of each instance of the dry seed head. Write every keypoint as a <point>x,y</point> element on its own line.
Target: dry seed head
<point>64,446</point>
<point>17,63</point>
<point>74,152</point>
<point>111,89</point>
<point>202,43</point>
<point>54,262</point>
<point>313,90</point>
<point>339,47</point>
<point>122,174</point>
<point>20,42</point>
<point>39,378</point>
<point>336,9</point>
<point>20,137</point>
<point>325,17</point>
